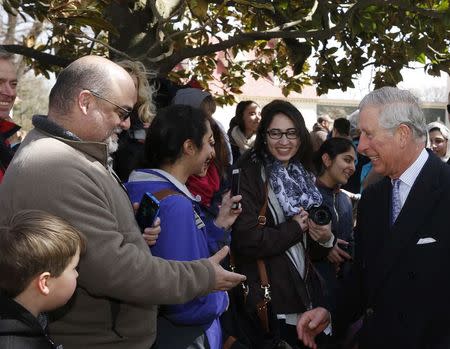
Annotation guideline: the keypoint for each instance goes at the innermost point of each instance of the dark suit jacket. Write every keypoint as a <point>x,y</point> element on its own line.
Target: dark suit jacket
<point>400,287</point>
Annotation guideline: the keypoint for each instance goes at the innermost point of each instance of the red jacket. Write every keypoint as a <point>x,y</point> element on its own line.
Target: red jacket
<point>7,129</point>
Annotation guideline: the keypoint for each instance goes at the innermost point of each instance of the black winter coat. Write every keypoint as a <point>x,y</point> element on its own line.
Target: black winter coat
<point>399,279</point>
<point>19,329</point>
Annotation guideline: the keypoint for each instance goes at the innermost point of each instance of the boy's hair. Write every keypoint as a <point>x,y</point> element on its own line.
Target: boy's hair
<point>34,242</point>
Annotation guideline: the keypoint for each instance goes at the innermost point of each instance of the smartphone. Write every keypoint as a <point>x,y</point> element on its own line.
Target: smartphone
<point>148,211</point>
<point>235,185</point>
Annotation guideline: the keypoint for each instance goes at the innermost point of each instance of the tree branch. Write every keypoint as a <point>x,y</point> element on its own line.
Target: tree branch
<point>276,33</point>
<point>118,52</point>
<point>47,58</point>
<point>241,38</point>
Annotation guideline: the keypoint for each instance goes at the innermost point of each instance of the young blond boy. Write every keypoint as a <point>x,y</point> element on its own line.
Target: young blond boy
<point>39,254</point>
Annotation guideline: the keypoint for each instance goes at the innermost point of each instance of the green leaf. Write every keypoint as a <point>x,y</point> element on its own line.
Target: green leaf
<point>422,58</point>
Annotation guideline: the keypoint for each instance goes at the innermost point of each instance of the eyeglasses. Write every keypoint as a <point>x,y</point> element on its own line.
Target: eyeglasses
<point>276,133</point>
<point>122,116</point>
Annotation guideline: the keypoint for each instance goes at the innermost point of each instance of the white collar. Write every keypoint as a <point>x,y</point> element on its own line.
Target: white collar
<point>410,175</point>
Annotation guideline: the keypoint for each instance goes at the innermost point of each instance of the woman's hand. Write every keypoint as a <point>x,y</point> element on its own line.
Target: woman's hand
<point>227,215</point>
<point>302,219</point>
<point>151,234</point>
<point>320,233</point>
<point>337,255</point>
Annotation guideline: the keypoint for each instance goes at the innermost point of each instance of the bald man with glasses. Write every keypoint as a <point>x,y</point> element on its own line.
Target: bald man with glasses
<point>62,168</point>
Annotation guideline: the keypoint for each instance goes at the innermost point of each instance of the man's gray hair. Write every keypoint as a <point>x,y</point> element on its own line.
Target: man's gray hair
<point>78,76</point>
<point>397,107</point>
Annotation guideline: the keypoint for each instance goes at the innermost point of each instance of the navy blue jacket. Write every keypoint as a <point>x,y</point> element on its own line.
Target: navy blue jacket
<point>342,228</point>
<point>399,281</point>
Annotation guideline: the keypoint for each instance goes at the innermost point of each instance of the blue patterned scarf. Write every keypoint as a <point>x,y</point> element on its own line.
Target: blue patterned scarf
<point>293,186</point>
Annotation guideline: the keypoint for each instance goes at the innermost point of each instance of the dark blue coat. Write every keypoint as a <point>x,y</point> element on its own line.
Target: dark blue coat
<point>399,285</point>
<point>342,228</point>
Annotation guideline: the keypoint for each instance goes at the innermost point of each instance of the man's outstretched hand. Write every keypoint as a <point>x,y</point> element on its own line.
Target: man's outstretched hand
<point>310,324</point>
<point>225,280</point>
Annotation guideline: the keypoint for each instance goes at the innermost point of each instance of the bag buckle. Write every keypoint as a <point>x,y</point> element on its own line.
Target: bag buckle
<point>262,220</point>
<point>245,289</point>
<point>266,292</point>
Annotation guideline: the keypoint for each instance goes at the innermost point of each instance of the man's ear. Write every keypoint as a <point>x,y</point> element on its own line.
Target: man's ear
<point>404,134</point>
<point>42,283</point>
<point>189,147</point>
<point>84,100</point>
<point>326,160</point>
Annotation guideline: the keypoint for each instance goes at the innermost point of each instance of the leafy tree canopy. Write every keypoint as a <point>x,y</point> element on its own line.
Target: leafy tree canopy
<point>280,35</point>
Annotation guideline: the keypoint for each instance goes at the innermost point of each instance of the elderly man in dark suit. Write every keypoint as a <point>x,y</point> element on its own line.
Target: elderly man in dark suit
<point>399,286</point>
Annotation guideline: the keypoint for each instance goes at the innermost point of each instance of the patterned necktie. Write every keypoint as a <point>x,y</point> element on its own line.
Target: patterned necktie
<point>396,204</point>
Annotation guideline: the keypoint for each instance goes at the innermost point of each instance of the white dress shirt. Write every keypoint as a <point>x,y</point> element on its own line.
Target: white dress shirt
<point>408,177</point>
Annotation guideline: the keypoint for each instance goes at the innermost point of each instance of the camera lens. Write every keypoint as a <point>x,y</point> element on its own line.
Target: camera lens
<point>320,215</point>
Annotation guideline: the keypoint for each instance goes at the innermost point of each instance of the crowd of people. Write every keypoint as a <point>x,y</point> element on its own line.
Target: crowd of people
<point>283,263</point>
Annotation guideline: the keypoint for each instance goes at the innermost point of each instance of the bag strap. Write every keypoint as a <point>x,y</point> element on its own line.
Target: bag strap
<point>261,307</point>
<point>228,344</point>
<point>162,194</point>
<point>262,220</point>
<point>262,271</point>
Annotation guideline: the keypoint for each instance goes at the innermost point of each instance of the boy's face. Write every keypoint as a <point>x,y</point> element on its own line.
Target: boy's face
<point>63,286</point>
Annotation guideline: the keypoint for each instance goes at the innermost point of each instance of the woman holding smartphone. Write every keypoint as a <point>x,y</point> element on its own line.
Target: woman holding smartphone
<point>179,144</point>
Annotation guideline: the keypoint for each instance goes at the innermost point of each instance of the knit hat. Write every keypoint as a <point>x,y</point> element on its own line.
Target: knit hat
<point>190,96</point>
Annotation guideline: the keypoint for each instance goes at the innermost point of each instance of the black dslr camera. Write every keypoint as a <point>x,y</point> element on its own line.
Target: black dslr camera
<point>320,215</point>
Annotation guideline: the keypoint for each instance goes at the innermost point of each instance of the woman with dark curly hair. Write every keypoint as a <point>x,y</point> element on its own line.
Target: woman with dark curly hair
<point>280,165</point>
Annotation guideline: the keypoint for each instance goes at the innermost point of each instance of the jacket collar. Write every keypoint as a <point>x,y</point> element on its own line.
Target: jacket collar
<point>158,175</point>
<point>321,184</point>
<point>11,310</point>
<point>97,150</point>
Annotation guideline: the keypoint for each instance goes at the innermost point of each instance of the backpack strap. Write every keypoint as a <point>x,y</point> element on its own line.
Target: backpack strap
<point>162,194</point>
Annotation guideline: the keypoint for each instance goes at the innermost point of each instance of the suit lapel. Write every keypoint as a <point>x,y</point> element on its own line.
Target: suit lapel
<point>422,198</point>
